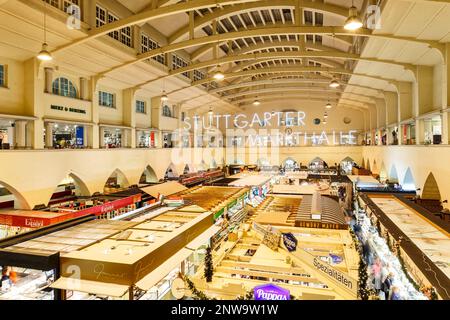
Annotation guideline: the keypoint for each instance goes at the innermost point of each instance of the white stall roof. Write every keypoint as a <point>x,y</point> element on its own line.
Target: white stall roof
<point>251,180</point>
<point>93,287</point>
<point>165,189</point>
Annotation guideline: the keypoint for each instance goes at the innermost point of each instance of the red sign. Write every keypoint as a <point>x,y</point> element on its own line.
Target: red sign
<point>33,219</point>
<point>110,206</point>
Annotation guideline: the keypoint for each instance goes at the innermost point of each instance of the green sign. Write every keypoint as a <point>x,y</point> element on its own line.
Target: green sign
<point>218,214</point>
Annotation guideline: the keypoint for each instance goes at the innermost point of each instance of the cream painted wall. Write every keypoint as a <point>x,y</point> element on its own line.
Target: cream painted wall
<point>12,97</point>
<point>111,115</point>
<point>422,160</point>
<point>51,99</point>
<point>34,175</point>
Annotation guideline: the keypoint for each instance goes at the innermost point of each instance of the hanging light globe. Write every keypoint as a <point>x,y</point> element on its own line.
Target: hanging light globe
<point>44,54</point>
<point>353,22</point>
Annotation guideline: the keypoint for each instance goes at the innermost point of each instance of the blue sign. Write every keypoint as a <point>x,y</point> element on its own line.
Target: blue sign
<point>335,258</point>
<point>290,241</point>
<point>79,141</point>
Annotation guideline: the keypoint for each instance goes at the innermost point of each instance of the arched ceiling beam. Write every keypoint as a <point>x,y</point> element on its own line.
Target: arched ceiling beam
<point>147,15</point>
<point>248,64</point>
<point>261,57</point>
<point>197,54</point>
<point>282,44</point>
<point>260,92</point>
<point>217,14</point>
<point>283,81</point>
<point>217,38</point>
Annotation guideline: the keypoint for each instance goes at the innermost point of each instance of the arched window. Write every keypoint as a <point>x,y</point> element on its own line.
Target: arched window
<point>166,111</point>
<point>64,87</point>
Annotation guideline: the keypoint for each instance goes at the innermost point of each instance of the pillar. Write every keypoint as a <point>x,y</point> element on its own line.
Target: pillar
<point>49,134</point>
<point>129,117</point>
<point>84,89</point>
<point>86,137</point>
<point>94,132</point>
<point>20,134</point>
<point>48,80</point>
<point>102,137</point>
<point>420,131</point>
<point>445,128</point>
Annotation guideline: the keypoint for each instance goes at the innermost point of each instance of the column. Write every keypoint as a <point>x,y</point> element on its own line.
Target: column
<point>126,138</point>
<point>20,134</point>
<point>48,80</point>
<point>94,131</point>
<point>84,89</point>
<point>420,131</point>
<point>102,137</point>
<point>49,134</point>
<point>85,136</point>
<point>129,116</point>
<point>445,128</point>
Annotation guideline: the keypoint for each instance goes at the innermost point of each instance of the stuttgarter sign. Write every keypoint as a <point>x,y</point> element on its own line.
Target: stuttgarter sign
<point>288,119</point>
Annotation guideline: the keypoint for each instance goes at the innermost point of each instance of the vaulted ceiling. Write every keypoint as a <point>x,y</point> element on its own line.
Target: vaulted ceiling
<point>265,48</point>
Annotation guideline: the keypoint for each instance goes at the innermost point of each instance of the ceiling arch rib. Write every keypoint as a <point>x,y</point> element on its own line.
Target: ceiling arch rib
<point>283,81</point>
<point>247,7</point>
<point>148,15</point>
<point>260,57</point>
<point>309,90</point>
<point>217,38</point>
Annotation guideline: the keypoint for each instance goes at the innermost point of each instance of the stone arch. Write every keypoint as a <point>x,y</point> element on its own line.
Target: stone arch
<point>262,162</point>
<point>368,165</point>
<point>317,161</point>
<point>117,180</point>
<point>213,164</point>
<point>393,174</point>
<point>375,167</point>
<point>409,183</point>
<point>19,200</point>
<point>171,172</point>
<point>148,176</point>
<point>431,189</point>
<point>383,172</point>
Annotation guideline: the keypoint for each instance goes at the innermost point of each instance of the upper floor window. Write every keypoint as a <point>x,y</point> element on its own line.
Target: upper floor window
<point>178,62</point>
<point>2,75</point>
<point>140,107</point>
<point>63,4</point>
<point>166,111</point>
<point>199,75</point>
<point>103,16</point>
<point>148,44</point>
<point>106,99</point>
<point>64,87</point>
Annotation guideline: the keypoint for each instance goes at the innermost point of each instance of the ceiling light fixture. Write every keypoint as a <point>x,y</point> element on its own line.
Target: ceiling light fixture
<point>256,102</point>
<point>164,96</point>
<point>328,105</point>
<point>44,54</point>
<point>210,112</point>
<point>325,116</point>
<point>334,83</point>
<point>218,75</point>
<point>353,21</point>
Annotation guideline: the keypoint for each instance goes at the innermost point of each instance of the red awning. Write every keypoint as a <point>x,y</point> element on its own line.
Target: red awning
<point>32,219</point>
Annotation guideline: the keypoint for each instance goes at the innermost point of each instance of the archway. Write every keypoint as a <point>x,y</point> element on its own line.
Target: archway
<point>10,198</point>
<point>393,175</point>
<point>117,181</point>
<point>68,189</point>
<point>263,162</point>
<point>375,167</point>
<point>171,173</point>
<point>203,166</point>
<point>408,181</point>
<point>368,165</point>
<point>317,163</point>
<point>186,169</point>
<point>346,165</point>
<point>148,176</point>
<point>430,189</point>
<point>383,173</point>
<point>213,164</point>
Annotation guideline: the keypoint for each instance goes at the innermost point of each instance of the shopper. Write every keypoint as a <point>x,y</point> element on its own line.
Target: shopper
<point>376,269</point>
<point>386,286</point>
<point>396,294</point>
<point>5,280</point>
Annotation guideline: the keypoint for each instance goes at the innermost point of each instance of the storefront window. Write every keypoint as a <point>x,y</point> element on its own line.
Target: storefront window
<point>6,134</point>
<point>144,139</point>
<point>113,138</point>
<point>67,136</point>
<point>432,130</point>
<point>167,140</point>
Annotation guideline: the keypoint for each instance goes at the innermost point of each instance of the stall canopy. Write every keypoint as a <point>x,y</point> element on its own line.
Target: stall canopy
<point>32,219</point>
<point>165,189</point>
<point>93,287</point>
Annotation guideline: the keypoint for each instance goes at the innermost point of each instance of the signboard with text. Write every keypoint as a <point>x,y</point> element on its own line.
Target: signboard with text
<point>271,292</point>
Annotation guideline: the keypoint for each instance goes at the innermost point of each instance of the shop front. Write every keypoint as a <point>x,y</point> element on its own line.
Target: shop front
<point>112,137</point>
<point>65,135</point>
<point>146,138</point>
